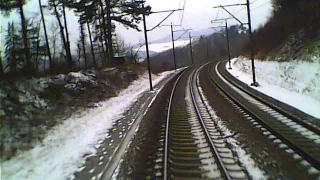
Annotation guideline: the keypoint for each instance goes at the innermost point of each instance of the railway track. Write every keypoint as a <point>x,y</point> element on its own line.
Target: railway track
<point>194,146</point>
<point>299,137</point>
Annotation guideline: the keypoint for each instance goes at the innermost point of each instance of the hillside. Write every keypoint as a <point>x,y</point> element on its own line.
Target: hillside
<point>293,32</point>
<point>29,108</point>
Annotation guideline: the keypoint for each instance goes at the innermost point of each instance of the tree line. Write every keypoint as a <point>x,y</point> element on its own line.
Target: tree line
<point>29,43</point>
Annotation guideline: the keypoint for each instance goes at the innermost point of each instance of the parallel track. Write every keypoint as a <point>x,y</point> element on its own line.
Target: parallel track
<point>299,136</point>
<point>194,146</point>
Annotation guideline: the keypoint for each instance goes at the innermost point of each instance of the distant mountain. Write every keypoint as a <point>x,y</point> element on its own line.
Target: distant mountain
<point>203,32</point>
<point>164,44</point>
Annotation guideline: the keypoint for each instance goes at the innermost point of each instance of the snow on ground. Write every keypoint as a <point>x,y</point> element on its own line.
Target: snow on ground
<point>62,150</point>
<point>295,83</point>
<point>160,47</point>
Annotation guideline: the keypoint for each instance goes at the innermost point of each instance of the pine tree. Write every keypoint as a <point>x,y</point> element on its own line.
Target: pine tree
<point>8,6</point>
<point>13,48</point>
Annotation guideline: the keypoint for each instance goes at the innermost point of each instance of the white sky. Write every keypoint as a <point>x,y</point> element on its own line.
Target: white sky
<point>197,15</point>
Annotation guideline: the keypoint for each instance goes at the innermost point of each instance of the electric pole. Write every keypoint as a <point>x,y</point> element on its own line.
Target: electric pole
<point>174,52</point>
<point>191,53</point>
<point>147,11</point>
<point>227,39</point>
<point>207,42</point>
<point>147,46</point>
<point>173,48</point>
<point>254,83</point>
<point>228,44</point>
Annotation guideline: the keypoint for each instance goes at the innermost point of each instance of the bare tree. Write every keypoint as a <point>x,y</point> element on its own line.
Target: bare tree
<point>54,38</point>
<point>91,45</point>
<point>46,35</point>
<point>63,37</point>
<point>133,53</point>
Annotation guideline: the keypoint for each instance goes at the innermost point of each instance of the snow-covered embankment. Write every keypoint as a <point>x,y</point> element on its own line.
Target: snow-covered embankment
<point>296,83</point>
<point>62,150</point>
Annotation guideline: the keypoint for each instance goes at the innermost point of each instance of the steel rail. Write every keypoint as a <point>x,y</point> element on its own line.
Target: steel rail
<point>296,148</point>
<point>220,163</point>
<point>165,162</point>
<point>275,107</point>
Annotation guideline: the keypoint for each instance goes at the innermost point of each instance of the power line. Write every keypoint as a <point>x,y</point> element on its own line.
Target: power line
<point>254,1</point>
<point>259,6</point>
<point>243,8</point>
<point>184,5</point>
<point>235,8</point>
<point>224,2</point>
<point>180,13</point>
<point>247,4</point>
<point>186,22</point>
<point>240,11</point>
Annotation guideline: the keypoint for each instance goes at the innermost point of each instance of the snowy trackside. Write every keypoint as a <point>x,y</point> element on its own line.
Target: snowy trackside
<point>159,47</point>
<point>62,150</point>
<point>296,83</point>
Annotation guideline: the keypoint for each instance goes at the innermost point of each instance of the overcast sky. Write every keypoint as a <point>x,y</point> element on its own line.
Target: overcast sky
<point>197,15</point>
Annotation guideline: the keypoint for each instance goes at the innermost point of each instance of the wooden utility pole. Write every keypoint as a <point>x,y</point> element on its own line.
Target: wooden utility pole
<point>190,44</point>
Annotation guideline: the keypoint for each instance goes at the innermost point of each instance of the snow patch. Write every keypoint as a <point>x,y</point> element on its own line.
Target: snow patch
<point>63,149</point>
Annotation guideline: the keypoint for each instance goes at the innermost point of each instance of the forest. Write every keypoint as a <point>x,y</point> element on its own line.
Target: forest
<point>295,29</point>
<point>38,46</point>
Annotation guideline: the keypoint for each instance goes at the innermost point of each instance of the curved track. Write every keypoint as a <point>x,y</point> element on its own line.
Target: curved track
<point>194,146</point>
<point>301,137</point>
